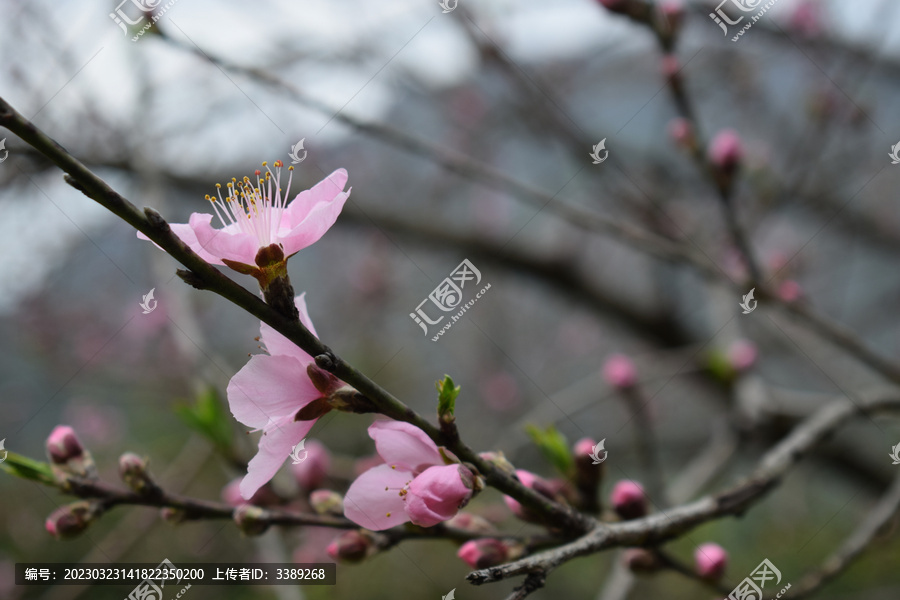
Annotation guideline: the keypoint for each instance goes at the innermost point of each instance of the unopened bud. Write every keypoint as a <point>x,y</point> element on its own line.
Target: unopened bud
<point>710,561</point>
<point>325,382</point>
<point>351,546</point>
<point>742,355</point>
<point>472,523</point>
<point>251,520</point>
<point>327,502</point>
<point>682,133</point>
<point>672,12</point>
<point>486,552</point>
<point>671,69</point>
<point>619,372</point>
<point>63,445</point>
<point>72,519</point>
<point>539,485</point>
<point>640,560</point>
<point>588,474</point>
<point>133,471</point>
<point>498,460</point>
<point>173,516</point>
<point>629,500</point>
<point>726,150</point>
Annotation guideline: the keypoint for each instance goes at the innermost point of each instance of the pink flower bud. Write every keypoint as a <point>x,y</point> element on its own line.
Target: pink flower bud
<point>726,150</point>
<point>584,447</point>
<point>807,19</point>
<point>710,561</point>
<point>311,473</point>
<point>682,133</point>
<point>63,445</point>
<point>438,493</point>
<point>498,459</point>
<point>133,471</point>
<point>251,520</point>
<point>72,519</point>
<point>483,553</point>
<point>640,560</point>
<point>548,489</point>
<point>790,291</point>
<point>742,355</point>
<point>351,546</point>
<point>629,500</point>
<point>472,523</point>
<point>670,68</point>
<point>673,13</point>
<point>327,502</point>
<point>619,372</point>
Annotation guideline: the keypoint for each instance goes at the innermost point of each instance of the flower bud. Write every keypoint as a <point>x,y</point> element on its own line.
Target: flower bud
<point>672,13</point>
<point>682,133</point>
<point>640,560</point>
<point>437,494</point>
<point>536,483</point>
<point>484,553</point>
<point>587,474</point>
<point>790,291</point>
<point>629,500</point>
<point>465,521</point>
<point>670,68</point>
<point>133,471</point>
<point>327,502</point>
<point>63,445</point>
<point>313,471</point>
<point>726,151</point>
<point>742,355</point>
<point>710,561</point>
<point>173,516</point>
<point>498,459</point>
<point>251,520</point>
<point>72,519</point>
<point>619,372</point>
<point>352,546</point>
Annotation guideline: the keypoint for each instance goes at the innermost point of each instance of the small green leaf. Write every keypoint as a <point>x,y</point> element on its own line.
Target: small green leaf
<point>554,447</point>
<point>208,417</point>
<point>27,468</point>
<point>447,393</point>
<point>719,367</point>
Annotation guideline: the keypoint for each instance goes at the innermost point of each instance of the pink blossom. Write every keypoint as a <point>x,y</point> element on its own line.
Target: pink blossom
<point>314,469</point>
<point>619,371</point>
<point>414,484</point>
<point>629,500</point>
<point>710,561</point>
<point>256,215</point>
<point>267,394</point>
<point>726,149</point>
<point>742,355</point>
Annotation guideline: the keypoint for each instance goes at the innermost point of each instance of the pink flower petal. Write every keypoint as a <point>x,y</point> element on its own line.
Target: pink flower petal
<point>269,387</point>
<point>317,222</point>
<point>228,242</point>
<point>436,495</point>
<point>323,192</point>
<point>186,234</point>
<point>276,344</point>
<point>278,439</point>
<point>367,502</point>
<point>404,445</point>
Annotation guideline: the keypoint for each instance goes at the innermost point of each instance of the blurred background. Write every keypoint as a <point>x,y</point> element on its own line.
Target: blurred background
<point>503,102</point>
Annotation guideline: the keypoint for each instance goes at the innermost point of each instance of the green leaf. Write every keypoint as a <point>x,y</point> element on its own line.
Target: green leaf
<point>447,393</point>
<point>27,468</point>
<point>554,446</point>
<point>208,417</point>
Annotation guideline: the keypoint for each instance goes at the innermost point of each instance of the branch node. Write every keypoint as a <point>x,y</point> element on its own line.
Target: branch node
<point>156,220</point>
<point>191,278</point>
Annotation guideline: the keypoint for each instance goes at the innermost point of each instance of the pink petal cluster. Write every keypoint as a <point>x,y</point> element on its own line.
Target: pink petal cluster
<point>267,393</point>
<point>414,484</point>
<point>726,149</point>
<point>710,561</point>
<point>619,372</point>
<point>256,214</point>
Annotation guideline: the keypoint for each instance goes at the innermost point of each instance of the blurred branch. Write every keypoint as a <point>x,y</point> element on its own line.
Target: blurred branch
<point>659,527</point>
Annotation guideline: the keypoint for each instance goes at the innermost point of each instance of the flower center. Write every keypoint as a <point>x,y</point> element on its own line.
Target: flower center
<point>254,209</point>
